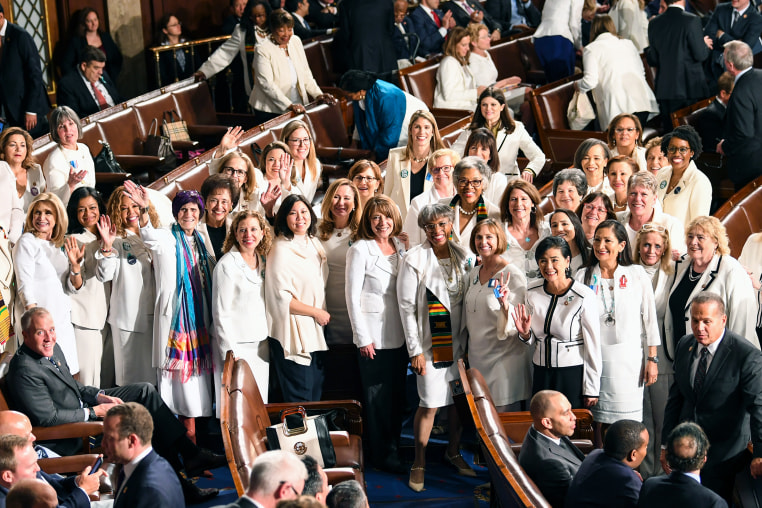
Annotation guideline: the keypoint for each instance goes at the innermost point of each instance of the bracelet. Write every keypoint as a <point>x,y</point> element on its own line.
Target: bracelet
<point>531,171</point>
<point>74,274</point>
<point>107,251</point>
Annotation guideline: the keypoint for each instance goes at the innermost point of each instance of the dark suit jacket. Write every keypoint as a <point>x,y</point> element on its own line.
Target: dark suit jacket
<point>501,11</point>
<point>322,19</point>
<point>677,489</point>
<point>677,50</point>
<point>427,30</point>
<point>76,48</point>
<point>746,29</point>
<point>73,92</point>
<point>711,125</point>
<point>743,125</point>
<point>366,32</point>
<point>401,46</point>
<point>462,18</point>
<point>153,483</point>
<point>603,481</point>
<point>730,398</point>
<point>550,466</point>
<point>69,495</point>
<point>305,31</point>
<point>21,86</point>
<point>229,24</point>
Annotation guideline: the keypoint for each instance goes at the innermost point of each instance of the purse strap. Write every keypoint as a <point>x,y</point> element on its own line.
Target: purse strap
<point>153,130</point>
<point>171,114</point>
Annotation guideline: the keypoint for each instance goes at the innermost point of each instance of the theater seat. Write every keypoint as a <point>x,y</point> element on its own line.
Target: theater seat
<point>742,215</point>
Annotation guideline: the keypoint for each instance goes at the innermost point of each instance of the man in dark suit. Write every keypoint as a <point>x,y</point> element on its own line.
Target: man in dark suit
<point>276,476</point>
<point>736,20</point>
<point>23,99</point>
<point>678,48</point>
<point>718,385</point>
<point>324,13</point>
<point>742,143</point>
<point>513,15</point>
<point>299,9</point>
<point>402,27</point>
<point>547,455</point>
<point>145,479</point>
<point>607,477</point>
<point>44,390</point>
<point>711,122</point>
<point>236,8</point>
<point>471,11</point>
<point>90,89</point>
<point>431,25</point>
<point>686,455</point>
<point>366,33</point>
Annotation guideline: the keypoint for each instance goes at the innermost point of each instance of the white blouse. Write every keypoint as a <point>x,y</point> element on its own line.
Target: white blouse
<point>58,165</point>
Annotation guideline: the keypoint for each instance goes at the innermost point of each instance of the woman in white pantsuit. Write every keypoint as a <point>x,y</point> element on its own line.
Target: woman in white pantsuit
<point>456,86</point>
<point>430,289</point>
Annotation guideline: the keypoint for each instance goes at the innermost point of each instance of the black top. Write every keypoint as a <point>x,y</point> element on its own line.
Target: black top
<point>678,300</point>
<point>416,182</point>
<point>217,236</point>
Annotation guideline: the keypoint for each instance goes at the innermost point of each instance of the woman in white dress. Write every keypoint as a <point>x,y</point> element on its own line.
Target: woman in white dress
<point>628,324</point>
<point>406,171</point>
<point>653,253</point>
<point>565,224</point>
<point>456,85</point>
<point>297,271</point>
<point>48,268</point>
<point>481,143</point>
<point>594,208</point>
<point>238,290</point>
<point>591,157</point>
<point>373,263</point>
<point>625,134</point>
<point>430,289</point>
<point>70,165</point>
<point>89,305</point>
<point>525,225</point>
<point>480,61</point>
<point>619,170</point>
<point>125,260</point>
<point>630,20</point>
<point>306,166</point>
<point>510,136</point>
<point>441,164</point>
<point>492,290</point>
<point>366,175</point>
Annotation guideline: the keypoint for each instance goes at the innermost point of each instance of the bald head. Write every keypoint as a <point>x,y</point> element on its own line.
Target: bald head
<point>31,494</point>
<point>13,422</point>
<point>552,414</point>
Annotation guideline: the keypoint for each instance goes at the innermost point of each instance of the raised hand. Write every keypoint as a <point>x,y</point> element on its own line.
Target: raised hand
<point>137,193</point>
<point>285,170</point>
<point>522,319</point>
<point>75,177</point>
<point>74,252</point>
<point>270,197</point>
<point>231,138</point>
<point>107,232</point>
<point>505,294</point>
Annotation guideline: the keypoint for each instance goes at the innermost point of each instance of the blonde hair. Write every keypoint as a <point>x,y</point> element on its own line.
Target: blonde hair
<point>311,160</point>
<point>665,264</point>
<point>113,208</point>
<point>328,224</point>
<point>474,29</point>
<point>62,220</point>
<point>436,139</point>
<point>267,234</point>
<point>713,227</point>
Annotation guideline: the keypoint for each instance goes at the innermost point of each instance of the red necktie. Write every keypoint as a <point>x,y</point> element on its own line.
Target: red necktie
<point>102,102</point>
<point>436,18</point>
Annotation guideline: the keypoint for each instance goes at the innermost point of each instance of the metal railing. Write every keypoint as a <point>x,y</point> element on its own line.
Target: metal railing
<point>199,50</point>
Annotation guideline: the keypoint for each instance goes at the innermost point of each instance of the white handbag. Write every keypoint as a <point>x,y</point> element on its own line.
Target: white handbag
<point>303,435</point>
<point>580,111</point>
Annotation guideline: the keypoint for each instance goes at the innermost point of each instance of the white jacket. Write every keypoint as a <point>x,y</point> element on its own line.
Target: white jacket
<point>562,18</point>
<point>631,23</point>
<point>456,86</point>
<point>690,199</point>
<point>226,53</point>
<point>397,180</point>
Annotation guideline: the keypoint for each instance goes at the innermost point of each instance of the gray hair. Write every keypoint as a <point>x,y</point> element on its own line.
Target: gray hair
<point>575,176</point>
<point>642,179</point>
<point>739,54</point>
<point>272,468</point>
<point>709,297</point>
<point>429,213</point>
<point>347,494</point>
<point>59,116</point>
<point>472,162</point>
<point>29,315</point>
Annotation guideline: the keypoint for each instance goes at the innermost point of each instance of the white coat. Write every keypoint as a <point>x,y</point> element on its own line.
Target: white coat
<point>226,53</point>
<point>12,213</point>
<point>562,17</point>
<point>58,164</point>
<point>397,181</point>
<point>456,86</point>
<point>727,278</point>
<point>690,199</point>
<point>508,146</point>
<point>615,74</point>
<point>371,294</point>
<point>631,23</point>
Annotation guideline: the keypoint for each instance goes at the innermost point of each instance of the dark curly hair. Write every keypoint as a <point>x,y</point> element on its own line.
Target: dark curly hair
<point>686,133</point>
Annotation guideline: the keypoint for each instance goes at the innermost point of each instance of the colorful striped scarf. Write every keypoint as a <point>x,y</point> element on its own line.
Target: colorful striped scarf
<point>189,352</point>
<point>441,331</point>
<point>481,208</point>
<point>6,330</point>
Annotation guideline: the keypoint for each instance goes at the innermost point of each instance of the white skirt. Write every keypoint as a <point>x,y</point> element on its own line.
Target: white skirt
<point>193,398</point>
<point>434,386</point>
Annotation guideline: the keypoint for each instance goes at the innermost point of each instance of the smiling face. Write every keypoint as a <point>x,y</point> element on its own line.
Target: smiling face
<point>15,149</point>
<point>343,203</point>
<point>626,135</point>
<point>593,213</point>
<point>606,246</point>
<point>44,220</point>
<point>248,234</point>
<point>562,226</point>
<point>519,205</point>
<point>219,203</point>
<point>188,217</point>
<point>651,248</point>
<point>486,241</point>
<point>41,335</point>
<point>701,245</point>
<point>619,174</point>
<point>442,173</point>
<point>237,169</point>
<point>129,212</point>
<point>593,164</point>
<point>381,225</point>
<point>91,22</point>
<point>421,131</point>
<point>299,219</point>
<point>679,154</point>
<point>366,182</point>
<point>463,47</point>
<point>282,35</point>
<point>491,109</point>
<point>641,201</point>
<point>567,196</point>
<point>470,185</point>
<point>299,142</point>
<point>68,133</point>
<point>438,231</point>
<point>88,212</point>
<point>553,265</point>
<point>272,164</point>
<point>655,160</point>
<point>481,151</point>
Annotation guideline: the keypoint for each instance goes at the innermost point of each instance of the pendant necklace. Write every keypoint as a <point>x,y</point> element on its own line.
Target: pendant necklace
<point>609,320</point>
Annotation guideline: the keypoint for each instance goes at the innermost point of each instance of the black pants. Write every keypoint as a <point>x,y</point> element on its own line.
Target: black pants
<point>721,477</point>
<point>299,383</point>
<point>567,380</point>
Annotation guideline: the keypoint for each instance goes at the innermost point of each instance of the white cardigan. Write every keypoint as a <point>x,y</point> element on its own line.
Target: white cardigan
<point>371,294</point>
<point>58,164</point>
<point>690,199</point>
<point>456,86</point>
<point>272,76</point>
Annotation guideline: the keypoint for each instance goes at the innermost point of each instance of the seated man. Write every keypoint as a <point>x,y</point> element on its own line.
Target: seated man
<point>316,484</point>
<point>471,11</point>
<point>431,25</point>
<point>146,479</point>
<point>31,494</point>
<point>606,477</point>
<point>275,476</point>
<point>547,455</point>
<point>46,392</point>
<point>686,454</point>
<point>711,122</point>
<point>18,461</point>
<point>347,494</point>
<point>90,89</point>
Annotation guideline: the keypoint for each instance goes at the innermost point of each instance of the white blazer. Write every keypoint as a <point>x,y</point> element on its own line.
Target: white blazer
<point>272,77</point>
<point>397,181</point>
<point>727,278</point>
<point>456,86</point>
<point>414,233</point>
<point>508,146</point>
<point>11,205</point>
<point>58,164</point>
<point>631,23</point>
<point>226,53</point>
<point>371,294</point>
<point>615,74</point>
<point>483,69</point>
<point>690,199</point>
<point>562,18</point>
<point>89,305</point>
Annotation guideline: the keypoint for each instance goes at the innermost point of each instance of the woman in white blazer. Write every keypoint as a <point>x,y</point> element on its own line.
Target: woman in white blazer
<point>283,79</point>
<point>406,170</point>
<point>238,299</point>
<point>219,193</point>
<point>70,164</point>
<point>631,22</point>
<point>510,136</point>
<point>525,225</point>
<point>709,267</point>
<point>307,168</point>
<point>430,289</point>
<point>16,155</point>
<point>373,263</point>
<point>441,163</point>
<point>456,85</point>
<point>615,74</point>
<point>557,37</point>
<point>89,305</point>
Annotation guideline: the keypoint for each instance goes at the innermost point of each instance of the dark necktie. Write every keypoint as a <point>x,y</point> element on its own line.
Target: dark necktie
<point>734,18</point>
<point>698,379</point>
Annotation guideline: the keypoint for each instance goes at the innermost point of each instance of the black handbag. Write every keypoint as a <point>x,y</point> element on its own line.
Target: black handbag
<point>303,435</point>
<point>105,161</point>
<point>160,146</point>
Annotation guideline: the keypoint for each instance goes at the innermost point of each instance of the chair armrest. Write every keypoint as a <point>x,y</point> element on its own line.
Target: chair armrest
<point>207,130</point>
<point>184,145</point>
<point>112,178</point>
<point>343,153</point>
<point>64,465</point>
<point>585,445</point>
<point>81,430</point>
<point>352,407</point>
<point>138,161</point>
<point>339,438</point>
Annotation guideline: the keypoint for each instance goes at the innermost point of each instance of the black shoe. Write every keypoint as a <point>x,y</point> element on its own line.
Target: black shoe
<point>195,495</point>
<point>392,465</point>
<point>203,461</point>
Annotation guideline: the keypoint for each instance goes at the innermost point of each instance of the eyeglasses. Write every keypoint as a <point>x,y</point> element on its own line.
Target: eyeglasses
<point>361,178</point>
<point>441,169</point>
<point>620,130</point>
<point>300,141</point>
<point>683,149</point>
<point>592,208</point>
<point>652,226</point>
<point>430,228</point>
<point>179,23</point>
<point>233,171</point>
<point>290,486</point>
<point>476,184</point>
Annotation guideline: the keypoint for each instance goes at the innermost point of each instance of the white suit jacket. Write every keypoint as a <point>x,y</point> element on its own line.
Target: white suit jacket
<point>456,86</point>
<point>690,199</point>
<point>562,17</point>
<point>11,205</point>
<point>631,22</point>
<point>397,181</point>
<point>508,146</point>
<point>226,53</point>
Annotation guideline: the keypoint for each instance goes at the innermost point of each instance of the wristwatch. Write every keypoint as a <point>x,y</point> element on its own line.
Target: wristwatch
<point>654,359</point>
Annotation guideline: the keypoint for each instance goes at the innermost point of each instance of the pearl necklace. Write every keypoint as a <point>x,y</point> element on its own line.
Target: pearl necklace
<point>465,212</point>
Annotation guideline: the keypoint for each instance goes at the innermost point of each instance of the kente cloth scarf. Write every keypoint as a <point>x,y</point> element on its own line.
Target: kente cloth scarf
<point>441,331</point>
<point>6,330</point>
<point>188,350</point>
<point>481,208</point>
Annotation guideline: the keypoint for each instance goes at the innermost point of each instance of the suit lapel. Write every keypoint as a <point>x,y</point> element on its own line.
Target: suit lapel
<point>718,363</point>
<point>706,280</point>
